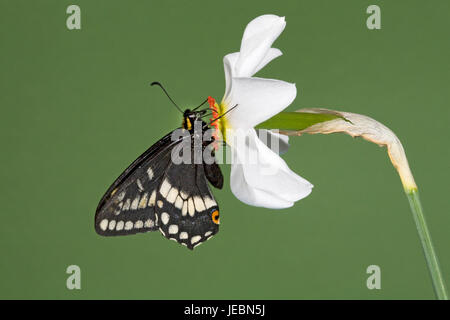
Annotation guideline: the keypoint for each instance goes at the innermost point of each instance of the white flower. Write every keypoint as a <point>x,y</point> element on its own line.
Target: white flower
<point>266,181</point>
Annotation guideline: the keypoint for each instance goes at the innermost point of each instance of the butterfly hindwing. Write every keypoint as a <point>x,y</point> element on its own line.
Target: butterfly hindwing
<point>214,175</point>
<point>186,209</point>
<point>128,207</point>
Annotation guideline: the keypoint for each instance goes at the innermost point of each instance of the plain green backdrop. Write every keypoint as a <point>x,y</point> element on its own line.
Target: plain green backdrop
<point>76,109</point>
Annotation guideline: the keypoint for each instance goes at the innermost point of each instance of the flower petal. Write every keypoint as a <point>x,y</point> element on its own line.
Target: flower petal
<point>258,37</point>
<point>229,62</point>
<point>251,196</point>
<point>257,100</point>
<point>259,177</point>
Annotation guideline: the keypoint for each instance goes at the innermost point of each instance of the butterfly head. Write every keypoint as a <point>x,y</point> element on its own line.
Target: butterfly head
<point>190,117</point>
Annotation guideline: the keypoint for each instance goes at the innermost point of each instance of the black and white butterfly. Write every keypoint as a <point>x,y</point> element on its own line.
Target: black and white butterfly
<point>154,193</point>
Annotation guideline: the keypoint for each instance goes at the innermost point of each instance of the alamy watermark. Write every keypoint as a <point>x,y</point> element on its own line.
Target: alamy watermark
<point>242,147</point>
<point>73,21</point>
<point>373,22</point>
<point>374,280</point>
<point>74,279</point>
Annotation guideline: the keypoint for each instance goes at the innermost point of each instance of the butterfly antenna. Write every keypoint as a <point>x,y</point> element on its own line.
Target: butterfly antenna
<point>215,119</point>
<point>206,100</point>
<point>207,114</point>
<point>161,86</point>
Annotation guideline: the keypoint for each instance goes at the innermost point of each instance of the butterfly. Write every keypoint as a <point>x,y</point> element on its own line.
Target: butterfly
<point>156,193</point>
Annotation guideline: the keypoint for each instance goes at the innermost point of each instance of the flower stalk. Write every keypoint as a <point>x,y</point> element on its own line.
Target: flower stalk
<point>427,244</point>
<point>312,121</point>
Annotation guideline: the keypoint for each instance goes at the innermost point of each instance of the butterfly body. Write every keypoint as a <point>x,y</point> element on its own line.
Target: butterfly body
<point>157,193</point>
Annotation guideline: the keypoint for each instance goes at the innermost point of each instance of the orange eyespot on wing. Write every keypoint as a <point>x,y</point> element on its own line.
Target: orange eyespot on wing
<point>215,217</point>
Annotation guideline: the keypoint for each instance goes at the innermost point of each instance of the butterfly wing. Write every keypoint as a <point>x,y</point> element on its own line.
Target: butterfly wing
<point>186,209</point>
<point>156,193</point>
<point>128,206</point>
<point>214,175</point>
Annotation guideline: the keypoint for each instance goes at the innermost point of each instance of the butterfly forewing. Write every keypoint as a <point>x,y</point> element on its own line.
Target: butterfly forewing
<point>128,207</point>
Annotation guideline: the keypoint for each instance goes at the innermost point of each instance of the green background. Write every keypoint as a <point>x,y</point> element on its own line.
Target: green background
<point>76,109</point>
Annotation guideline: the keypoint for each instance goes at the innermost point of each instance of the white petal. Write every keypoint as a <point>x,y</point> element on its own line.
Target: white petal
<point>251,196</point>
<point>258,37</point>
<point>261,24</point>
<point>257,100</point>
<point>229,64</point>
<point>229,61</point>
<point>278,143</point>
<point>259,177</point>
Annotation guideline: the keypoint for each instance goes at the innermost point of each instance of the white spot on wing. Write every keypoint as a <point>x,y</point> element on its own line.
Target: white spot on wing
<point>173,229</point>
<point>165,217</point>
<point>173,193</point>
<point>195,239</point>
<point>178,203</point>
<point>112,225</point>
<point>139,184</point>
<point>119,225</point>
<point>121,196</point>
<point>128,225</point>
<point>165,187</point>
<point>143,202</point>
<point>185,208</point>
<point>135,203</point>
<point>209,202</point>
<point>208,233</point>
<point>149,223</point>
<point>191,207</point>
<point>199,205</point>
<point>151,202</point>
<point>150,173</point>
<point>104,224</point>
<point>138,224</point>
<point>184,235</point>
<point>127,205</point>
<point>184,195</point>
<point>159,203</point>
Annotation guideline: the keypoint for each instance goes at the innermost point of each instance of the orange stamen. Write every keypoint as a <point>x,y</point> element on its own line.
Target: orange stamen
<point>213,106</point>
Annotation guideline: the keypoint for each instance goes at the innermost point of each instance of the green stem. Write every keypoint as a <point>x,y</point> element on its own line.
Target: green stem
<point>299,121</point>
<point>427,245</point>
<point>295,120</point>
